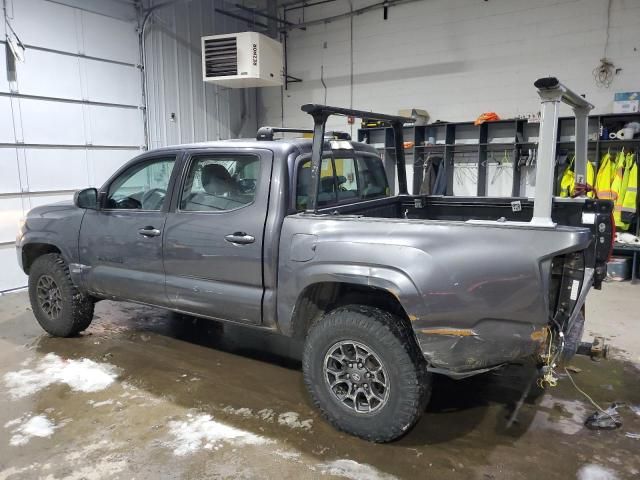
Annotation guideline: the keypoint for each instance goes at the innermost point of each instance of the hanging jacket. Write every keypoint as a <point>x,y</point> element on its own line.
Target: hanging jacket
<point>618,188</point>
<point>568,180</point>
<point>440,185</point>
<point>629,203</point>
<point>429,173</point>
<point>604,178</point>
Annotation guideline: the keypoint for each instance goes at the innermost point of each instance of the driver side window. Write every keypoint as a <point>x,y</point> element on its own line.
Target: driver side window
<point>142,187</point>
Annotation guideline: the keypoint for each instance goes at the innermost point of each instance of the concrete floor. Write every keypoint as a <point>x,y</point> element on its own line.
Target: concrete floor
<point>144,395</point>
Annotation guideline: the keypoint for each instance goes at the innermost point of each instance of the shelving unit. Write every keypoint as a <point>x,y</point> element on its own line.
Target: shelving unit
<point>514,136</point>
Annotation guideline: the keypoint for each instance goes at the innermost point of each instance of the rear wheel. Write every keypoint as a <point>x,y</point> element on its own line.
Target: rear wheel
<point>365,372</point>
<point>59,307</point>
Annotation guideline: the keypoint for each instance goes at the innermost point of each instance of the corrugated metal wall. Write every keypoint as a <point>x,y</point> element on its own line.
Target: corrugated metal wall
<point>174,78</point>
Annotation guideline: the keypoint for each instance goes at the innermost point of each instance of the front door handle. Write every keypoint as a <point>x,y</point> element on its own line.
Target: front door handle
<point>149,232</point>
<point>239,238</point>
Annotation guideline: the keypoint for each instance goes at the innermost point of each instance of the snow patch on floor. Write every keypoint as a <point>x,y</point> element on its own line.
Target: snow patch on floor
<point>595,472</point>
<point>28,427</point>
<point>292,420</point>
<point>82,375</point>
<point>242,412</point>
<point>266,414</point>
<point>203,432</point>
<point>95,404</point>
<point>353,470</point>
<point>288,454</point>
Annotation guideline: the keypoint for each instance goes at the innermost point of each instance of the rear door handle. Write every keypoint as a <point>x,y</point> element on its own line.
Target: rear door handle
<point>239,238</point>
<point>149,232</point>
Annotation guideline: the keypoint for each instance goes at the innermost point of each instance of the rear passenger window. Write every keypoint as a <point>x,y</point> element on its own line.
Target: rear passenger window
<point>343,180</point>
<point>216,183</point>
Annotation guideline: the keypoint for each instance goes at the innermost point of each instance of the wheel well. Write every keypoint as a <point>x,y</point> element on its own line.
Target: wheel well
<point>31,251</point>
<point>320,298</point>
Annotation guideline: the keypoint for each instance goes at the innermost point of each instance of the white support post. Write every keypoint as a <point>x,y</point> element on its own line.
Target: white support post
<point>546,158</point>
<point>552,92</point>
<point>581,146</point>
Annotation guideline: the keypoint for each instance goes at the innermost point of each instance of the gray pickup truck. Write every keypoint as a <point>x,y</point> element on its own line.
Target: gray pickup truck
<point>302,237</point>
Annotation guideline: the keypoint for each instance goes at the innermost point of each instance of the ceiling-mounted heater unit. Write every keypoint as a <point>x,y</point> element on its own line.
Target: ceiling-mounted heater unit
<point>242,60</point>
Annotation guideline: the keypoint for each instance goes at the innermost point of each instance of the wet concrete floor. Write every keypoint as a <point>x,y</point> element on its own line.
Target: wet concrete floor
<point>143,394</point>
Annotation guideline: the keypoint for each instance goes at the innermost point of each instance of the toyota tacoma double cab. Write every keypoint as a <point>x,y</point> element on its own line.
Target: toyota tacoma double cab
<point>302,237</point>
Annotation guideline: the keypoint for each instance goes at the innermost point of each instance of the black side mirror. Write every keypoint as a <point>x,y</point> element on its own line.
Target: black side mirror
<point>87,198</point>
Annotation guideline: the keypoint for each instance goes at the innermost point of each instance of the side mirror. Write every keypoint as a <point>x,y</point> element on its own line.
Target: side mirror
<point>87,198</point>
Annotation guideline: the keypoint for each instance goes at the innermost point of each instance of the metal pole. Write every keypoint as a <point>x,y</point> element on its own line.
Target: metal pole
<point>319,123</point>
<point>401,166</point>
<point>581,146</point>
<point>546,158</point>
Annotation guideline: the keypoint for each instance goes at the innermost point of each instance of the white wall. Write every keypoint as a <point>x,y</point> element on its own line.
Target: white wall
<point>456,58</point>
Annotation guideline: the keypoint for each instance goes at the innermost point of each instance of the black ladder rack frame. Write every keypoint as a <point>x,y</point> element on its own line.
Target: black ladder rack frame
<point>320,114</point>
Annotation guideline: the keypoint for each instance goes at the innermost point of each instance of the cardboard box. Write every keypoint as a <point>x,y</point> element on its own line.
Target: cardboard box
<point>421,116</point>
<point>626,102</point>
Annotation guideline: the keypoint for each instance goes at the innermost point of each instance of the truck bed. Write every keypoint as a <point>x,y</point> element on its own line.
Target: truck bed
<point>565,211</point>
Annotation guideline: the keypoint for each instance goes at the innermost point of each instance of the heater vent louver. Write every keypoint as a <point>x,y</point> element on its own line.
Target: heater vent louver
<point>221,57</point>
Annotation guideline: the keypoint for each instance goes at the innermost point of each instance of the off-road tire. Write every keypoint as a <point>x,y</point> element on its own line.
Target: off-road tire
<point>573,338</point>
<point>393,341</point>
<point>76,311</point>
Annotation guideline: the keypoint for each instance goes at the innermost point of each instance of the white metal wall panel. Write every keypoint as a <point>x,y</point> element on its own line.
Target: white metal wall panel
<point>75,62</point>
<point>45,24</point>
<point>56,123</point>
<point>106,37</point>
<point>4,83</point>
<point>10,177</point>
<point>6,121</point>
<point>115,126</point>
<point>64,168</point>
<point>111,82</point>
<point>10,215</point>
<point>104,163</point>
<point>49,75</point>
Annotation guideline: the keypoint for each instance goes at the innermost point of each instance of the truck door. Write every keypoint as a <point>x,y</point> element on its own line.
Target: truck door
<point>121,242</point>
<point>213,236</point>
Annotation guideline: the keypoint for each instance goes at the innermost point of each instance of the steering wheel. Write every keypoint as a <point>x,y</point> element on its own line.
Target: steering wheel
<point>152,199</point>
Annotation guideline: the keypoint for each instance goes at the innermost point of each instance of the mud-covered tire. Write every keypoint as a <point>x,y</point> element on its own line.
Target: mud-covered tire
<point>74,311</point>
<point>573,338</point>
<point>409,384</point>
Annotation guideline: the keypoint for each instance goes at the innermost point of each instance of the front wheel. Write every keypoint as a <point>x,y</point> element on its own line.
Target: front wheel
<point>365,372</point>
<point>59,307</point>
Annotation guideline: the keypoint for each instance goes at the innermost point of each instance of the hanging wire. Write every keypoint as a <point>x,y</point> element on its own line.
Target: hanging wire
<point>603,73</point>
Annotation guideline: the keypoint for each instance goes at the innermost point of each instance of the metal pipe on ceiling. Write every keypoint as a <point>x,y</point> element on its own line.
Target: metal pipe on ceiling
<point>264,15</point>
<point>249,21</point>
<point>359,11</point>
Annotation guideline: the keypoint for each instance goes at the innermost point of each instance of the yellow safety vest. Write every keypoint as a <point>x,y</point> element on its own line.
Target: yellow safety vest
<point>568,180</point>
<point>604,178</point>
<point>629,203</point>
<point>617,192</point>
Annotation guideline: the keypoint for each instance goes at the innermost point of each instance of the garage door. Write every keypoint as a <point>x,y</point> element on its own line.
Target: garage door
<point>69,117</point>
